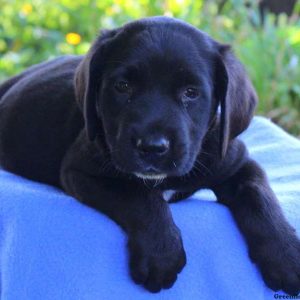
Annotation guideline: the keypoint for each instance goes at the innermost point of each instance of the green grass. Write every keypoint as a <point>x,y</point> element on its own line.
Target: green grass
<point>33,31</point>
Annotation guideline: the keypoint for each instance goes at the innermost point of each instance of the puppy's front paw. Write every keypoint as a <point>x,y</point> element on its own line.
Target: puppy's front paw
<point>155,260</point>
<point>279,263</point>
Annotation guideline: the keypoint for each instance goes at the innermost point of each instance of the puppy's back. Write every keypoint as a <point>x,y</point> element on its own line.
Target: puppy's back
<point>39,119</point>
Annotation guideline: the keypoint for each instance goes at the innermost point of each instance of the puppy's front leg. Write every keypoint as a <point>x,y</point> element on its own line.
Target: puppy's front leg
<point>273,244</point>
<point>155,245</point>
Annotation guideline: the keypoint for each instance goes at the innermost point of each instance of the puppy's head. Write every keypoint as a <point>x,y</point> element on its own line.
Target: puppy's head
<point>152,88</point>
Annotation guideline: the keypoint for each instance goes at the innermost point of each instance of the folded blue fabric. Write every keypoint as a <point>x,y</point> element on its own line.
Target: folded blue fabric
<point>53,247</point>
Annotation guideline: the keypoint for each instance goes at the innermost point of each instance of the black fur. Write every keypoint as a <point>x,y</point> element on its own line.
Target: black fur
<point>144,103</point>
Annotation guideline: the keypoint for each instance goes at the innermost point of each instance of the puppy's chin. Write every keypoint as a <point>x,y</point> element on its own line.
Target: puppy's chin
<point>131,165</point>
<point>155,176</point>
<point>149,176</point>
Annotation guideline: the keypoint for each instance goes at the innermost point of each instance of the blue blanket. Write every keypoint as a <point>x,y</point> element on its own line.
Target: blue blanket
<point>53,247</point>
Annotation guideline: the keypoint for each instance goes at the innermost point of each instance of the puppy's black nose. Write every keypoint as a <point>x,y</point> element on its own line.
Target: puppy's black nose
<point>152,145</point>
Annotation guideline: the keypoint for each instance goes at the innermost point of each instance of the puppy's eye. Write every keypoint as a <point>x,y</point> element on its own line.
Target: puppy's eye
<point>190,94</point>
<point>122,87</point>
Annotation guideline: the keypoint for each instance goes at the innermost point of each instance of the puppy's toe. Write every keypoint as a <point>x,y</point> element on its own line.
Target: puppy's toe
<point>161,276</point>
<point>139,270</point>
<point>281,269</point>
<point>153,284</point>
<point>169,280</point>
<point>291,285</point>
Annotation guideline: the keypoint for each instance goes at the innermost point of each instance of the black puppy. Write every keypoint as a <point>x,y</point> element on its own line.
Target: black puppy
<point>140,120</point>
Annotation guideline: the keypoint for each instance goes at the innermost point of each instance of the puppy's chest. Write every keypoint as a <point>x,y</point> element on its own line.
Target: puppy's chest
<point>168,195</point>
<point>174,191</point>
<point>171,195</point>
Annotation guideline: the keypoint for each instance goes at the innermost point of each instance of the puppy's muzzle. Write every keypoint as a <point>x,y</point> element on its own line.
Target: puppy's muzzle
<point>152,150</point>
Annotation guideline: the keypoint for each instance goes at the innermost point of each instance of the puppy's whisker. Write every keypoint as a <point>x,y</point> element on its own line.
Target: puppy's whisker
<point>145,183</point>
<point>106,165</point>
<point>201,166</point>
<point>158,182</point>
<point>114,151</point>
<point>205,153</point>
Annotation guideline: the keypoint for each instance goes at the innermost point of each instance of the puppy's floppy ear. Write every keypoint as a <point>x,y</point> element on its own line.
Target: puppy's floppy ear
<point>87,80</point>
<point>235,94</point>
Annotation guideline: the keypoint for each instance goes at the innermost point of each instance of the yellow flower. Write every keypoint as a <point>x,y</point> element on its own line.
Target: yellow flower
<point>73,38</point>
<point>26,9</point>
<point>228,23</point>
<point>295,37</point>
<point>110,11</point>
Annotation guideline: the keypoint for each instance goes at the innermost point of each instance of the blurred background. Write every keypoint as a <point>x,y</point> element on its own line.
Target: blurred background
<point>265,35</point>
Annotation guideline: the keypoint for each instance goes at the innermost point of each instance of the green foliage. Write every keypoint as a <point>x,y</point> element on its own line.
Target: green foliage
<point>35,30</point>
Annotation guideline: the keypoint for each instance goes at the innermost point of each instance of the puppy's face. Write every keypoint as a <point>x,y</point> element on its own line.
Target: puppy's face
<point>150,90</point>
<point>155,103</point>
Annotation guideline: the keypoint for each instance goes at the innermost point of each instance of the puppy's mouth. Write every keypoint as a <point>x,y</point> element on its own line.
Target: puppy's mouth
<point>150,176</point>
<point>152,170</point>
